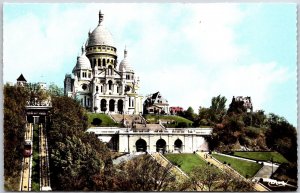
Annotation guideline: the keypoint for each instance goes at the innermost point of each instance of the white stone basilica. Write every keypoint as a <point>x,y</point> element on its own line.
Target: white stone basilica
<point>98,82</point>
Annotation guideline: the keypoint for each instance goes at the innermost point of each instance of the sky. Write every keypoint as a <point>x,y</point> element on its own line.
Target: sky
<point>189,52</point>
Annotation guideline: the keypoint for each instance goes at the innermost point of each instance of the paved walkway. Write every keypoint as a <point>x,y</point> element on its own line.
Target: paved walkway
<point>215,162</point>
<point>265,172</point>
<point>250,160</point>
<point>125,158</point>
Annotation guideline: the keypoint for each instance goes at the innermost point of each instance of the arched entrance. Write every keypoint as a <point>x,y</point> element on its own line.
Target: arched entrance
<point>120,106</point>
<point>178,145</point>
<point>141,145</point>
<point>103,105</point>
<point>112,105</point>
<point>161,146</point>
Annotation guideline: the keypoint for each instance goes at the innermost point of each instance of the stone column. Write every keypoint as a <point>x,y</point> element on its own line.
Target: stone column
<point>107,106</point>
<point>116,106</point>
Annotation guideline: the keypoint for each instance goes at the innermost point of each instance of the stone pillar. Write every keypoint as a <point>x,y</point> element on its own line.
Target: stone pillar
<point>107,106</point>
<point>116,106</point>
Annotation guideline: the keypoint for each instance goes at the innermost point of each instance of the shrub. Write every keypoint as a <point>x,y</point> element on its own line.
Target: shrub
<point>97,121</point>
<point>182,125</point>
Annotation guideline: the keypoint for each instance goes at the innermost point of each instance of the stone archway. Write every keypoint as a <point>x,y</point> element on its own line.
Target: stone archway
<point>161,145</point>
<point>120,106</point>
<point>141,145</point>
<point>178,145</point>
<point>112,105</point>
<point>103,105</point>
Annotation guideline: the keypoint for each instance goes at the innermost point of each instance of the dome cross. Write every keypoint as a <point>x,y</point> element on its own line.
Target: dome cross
<point>100,17</point>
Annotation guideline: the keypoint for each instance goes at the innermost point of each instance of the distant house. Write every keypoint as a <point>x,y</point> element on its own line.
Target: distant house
<point>21,81</point>
<point>175,110</point>
<point>241,102</point>
<point>156,104</point>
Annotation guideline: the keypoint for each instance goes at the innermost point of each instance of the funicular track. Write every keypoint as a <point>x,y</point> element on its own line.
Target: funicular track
<point>44,160</point>
<point>25,184</point>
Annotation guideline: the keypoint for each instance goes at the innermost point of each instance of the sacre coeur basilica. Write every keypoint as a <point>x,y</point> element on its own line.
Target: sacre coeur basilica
<point>98,81</point>
<point>102,85</point>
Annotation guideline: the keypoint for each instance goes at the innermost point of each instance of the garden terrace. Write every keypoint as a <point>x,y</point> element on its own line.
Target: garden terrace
<point>245,168</point>
<point>262,156</point>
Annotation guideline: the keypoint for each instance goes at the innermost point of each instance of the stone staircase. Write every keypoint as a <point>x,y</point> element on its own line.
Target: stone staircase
<point>129,119</point>
<point>150,127</point>
<point>137,122</point>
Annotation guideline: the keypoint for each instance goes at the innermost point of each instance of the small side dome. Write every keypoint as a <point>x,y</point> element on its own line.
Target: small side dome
<point>82,62</point>
<point>125,65</point>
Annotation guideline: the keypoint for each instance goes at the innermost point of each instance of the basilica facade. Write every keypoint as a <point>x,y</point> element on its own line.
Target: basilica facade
<point>99,82</point>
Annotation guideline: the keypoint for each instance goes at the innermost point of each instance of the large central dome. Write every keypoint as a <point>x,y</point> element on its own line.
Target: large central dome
<point>100,35</point>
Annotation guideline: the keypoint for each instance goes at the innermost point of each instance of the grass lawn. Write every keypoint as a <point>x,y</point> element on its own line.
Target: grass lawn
<point>186,160</point>
<point>264,156</point>
<point>245,168</point>
<point>106,120</point>
<point>154,118</point>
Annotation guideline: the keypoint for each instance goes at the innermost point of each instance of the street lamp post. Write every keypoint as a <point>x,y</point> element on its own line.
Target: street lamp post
<point>272,164</point>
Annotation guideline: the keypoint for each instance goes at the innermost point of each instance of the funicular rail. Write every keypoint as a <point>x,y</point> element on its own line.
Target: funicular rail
<point>44,160</point>
<point>25,184</point>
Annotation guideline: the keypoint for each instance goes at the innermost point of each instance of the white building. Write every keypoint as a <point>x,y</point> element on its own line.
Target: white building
<point>99,82</point>
<point>184,140</point>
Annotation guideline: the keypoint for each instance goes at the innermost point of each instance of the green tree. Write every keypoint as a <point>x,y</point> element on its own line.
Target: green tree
<point>282,137</point>
<point>259,118</point>
<point>143,173</point>
<point>54,90</point>
<point>36,93</point>
<point>76,157</point>
<point>204,116</point>
<point>205,176</point>
<point>77,162</point>
<point>14,128</point>
<point>188,114</point>
<point>217,108</point>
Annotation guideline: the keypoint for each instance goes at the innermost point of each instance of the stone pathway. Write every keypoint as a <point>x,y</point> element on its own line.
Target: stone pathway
<point>126,157</point>
<point>265,172</point>
<point>215,162</point>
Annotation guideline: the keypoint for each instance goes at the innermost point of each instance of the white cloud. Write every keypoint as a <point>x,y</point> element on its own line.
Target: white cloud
<point>188,52</point>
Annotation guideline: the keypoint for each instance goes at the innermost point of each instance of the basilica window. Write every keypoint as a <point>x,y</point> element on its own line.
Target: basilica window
<point>99,62</point>
<point>117,89</point>
<point>110,85</point>
<point>88,102</point>
<point>84,74</point>
<point>110,70</point>
<point>127,88</point>
<point>103,62</point>
<point>89,75</point>
<point>98,89</point>
<point>84,87</point>
<point>101,89</point>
